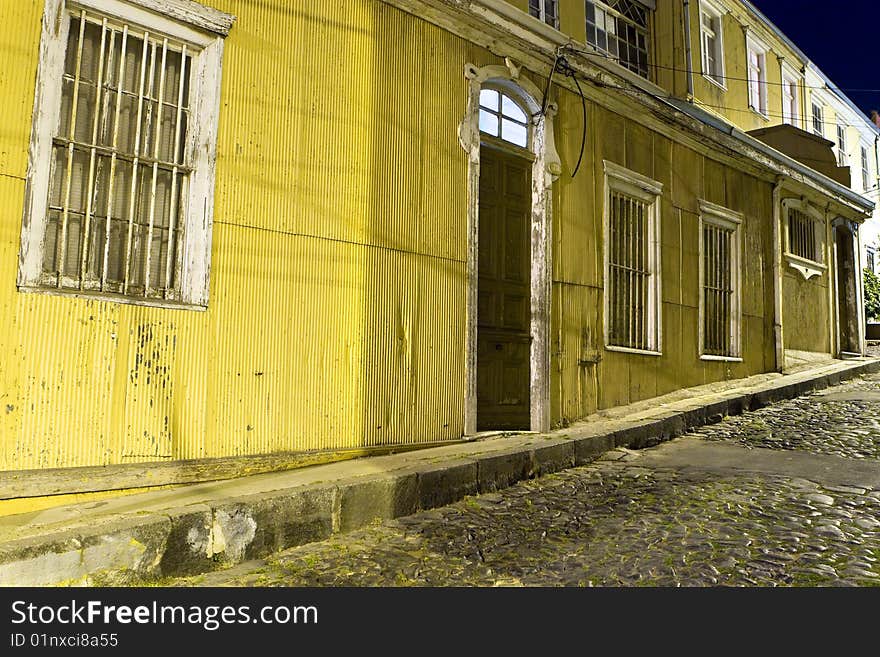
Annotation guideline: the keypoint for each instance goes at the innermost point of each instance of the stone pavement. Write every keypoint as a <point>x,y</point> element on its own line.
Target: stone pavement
<point>786,495</point>
<point>566,528</point>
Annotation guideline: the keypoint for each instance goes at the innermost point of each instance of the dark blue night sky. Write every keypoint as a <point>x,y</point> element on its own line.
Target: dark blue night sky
<point>842,38</point>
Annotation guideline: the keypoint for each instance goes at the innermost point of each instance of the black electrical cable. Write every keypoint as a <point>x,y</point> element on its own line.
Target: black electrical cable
<point>566,69</point>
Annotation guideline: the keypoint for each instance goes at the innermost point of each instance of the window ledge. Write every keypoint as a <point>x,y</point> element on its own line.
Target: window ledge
<point>726,359</point>
<point>807,268</point>
<point>112,298</point>
<point>190,12</point>
<point>718,84</point>
<point>630,350</point>
<point>759,113</point>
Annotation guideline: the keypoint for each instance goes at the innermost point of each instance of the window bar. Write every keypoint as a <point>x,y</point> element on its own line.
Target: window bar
<point>126,274</point>
<point>638,274</point>
<point>722,306</point>
<point>646,276</point>
<point>91,188</point>
<point>613,289</point>
<point>707,289</point>
<point>60,265</point>
<point>721,290</point>
<point>710,291</point>
<point>713,291</point>
<point>628,302</point>
<point>119,84</point>
<point>621,271</point>
<point>716,305</point>
<point>615,269</point>
<point>728,293</point>
<point>172,214</point>
<point>156,140</point>
<point>615,299</point>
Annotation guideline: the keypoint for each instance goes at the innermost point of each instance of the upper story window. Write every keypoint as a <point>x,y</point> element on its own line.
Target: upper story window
<point>120,193</point>
<point>619,28</point>
<point>791,104</point>
<point>842,154</point>
<point>502,117</point>
<point>866,174</point>
<point>546,10</point>
<point>632,261</point>
<point>711,45</point>
<point>818,119</point>
<point>757,69</point>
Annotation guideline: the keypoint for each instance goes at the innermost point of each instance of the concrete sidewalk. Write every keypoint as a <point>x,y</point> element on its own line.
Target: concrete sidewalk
<point>197,528</point>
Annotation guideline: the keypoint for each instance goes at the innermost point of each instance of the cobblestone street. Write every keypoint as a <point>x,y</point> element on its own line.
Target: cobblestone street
<point>786,495</point>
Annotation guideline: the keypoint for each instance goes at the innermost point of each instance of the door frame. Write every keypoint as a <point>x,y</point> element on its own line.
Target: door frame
<point>840,224</point>
<point>545,170</point>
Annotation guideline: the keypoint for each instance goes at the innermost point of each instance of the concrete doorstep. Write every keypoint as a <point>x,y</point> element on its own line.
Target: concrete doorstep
<point>136,539</point>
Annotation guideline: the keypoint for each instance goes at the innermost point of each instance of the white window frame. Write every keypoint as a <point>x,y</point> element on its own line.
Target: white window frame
<point>542,13</point>
<point>722,217</point>
<point>817,105</point>
<point>759,49</point>
<point>622,180</point>
<point>791,111</point>
<point>203,30</point>
<point>805,266</point>
<point>716,15</point>
<point>842,153</point>
<point>865,165</point>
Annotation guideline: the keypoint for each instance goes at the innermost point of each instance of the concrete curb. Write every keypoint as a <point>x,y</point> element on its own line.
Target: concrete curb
<point>194,538</point>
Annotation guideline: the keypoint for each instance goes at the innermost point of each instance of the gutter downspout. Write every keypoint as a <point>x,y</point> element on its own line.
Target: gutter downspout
<point>876,160</point>
<point>777,275</point>
<point>687,49</point>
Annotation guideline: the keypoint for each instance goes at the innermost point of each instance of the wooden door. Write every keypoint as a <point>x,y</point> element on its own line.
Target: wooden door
<point>503,291</point>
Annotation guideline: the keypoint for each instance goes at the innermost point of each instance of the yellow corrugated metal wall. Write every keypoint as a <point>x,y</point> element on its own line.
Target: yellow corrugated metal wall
<point>332,274</point>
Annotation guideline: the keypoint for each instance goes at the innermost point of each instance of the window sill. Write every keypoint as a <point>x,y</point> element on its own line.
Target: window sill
<point>807,268</point>
<point>111,298</point>
<point>630,350</point>
<point>725,359</point>
<point>718,84</point>
<point>758,112</point>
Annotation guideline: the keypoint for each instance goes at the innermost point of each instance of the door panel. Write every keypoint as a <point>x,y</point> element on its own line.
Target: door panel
<point>503,291</point>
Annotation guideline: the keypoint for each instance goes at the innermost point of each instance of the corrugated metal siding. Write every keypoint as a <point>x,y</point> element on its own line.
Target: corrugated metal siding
<point>339,250</point>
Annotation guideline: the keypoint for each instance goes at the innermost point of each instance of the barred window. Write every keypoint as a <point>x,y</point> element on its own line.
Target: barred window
<point>804,228</point>
<point>546,10</point>
<point>619,28</point>
<point>120,204</point>
<point>719,282</point>
<point>632,259</point>
<point>802,240</point>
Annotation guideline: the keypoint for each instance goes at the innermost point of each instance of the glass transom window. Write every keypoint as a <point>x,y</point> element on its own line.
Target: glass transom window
<point>502,117</point>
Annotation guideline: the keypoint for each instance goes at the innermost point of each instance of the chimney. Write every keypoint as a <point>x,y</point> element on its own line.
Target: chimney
<point>875,117</point>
